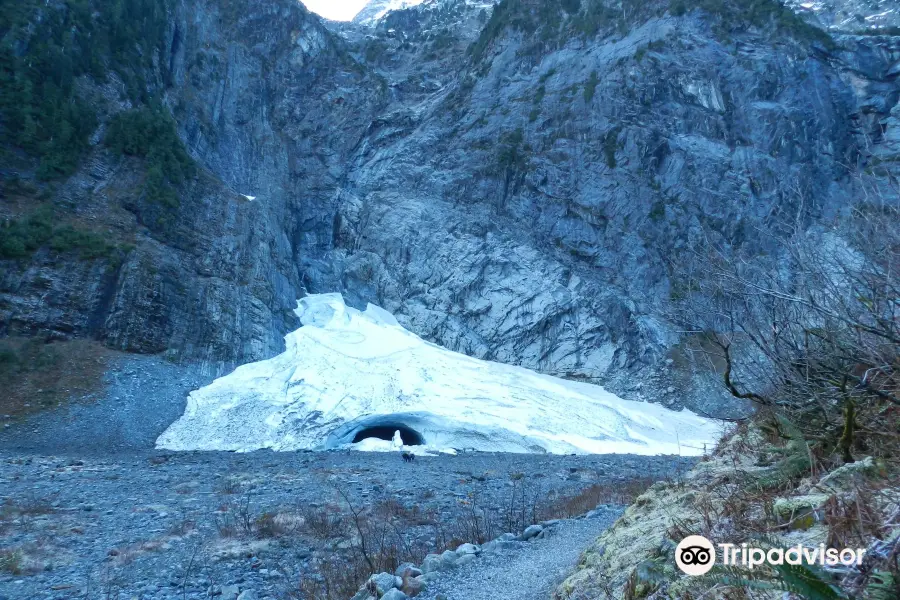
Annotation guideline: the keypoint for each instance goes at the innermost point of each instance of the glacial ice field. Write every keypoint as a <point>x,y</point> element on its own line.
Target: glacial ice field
<point>353,379</point>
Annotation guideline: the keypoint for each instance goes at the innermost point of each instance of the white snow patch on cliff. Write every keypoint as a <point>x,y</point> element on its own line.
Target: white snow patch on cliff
<point>373,11</point>
<point>347,376</point>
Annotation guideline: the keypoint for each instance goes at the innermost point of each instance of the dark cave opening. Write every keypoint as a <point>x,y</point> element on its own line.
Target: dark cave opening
<point>409,436</point>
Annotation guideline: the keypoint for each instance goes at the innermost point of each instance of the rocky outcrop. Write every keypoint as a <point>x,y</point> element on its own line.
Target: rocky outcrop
<point>520,187</point>
<point>850,15</point>
<point>538,208</point>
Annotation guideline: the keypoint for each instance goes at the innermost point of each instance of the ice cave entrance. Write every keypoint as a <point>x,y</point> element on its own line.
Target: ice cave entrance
<point>409,436</point>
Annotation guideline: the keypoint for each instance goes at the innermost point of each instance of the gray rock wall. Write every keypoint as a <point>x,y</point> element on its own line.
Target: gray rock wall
<point>529,203</point>
<point>516,217</point>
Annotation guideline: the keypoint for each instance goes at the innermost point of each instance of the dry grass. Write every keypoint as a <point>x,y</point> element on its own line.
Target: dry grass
<point>33,557</point>
<point>19,511</point>
<point>277,524</point>
<point>230,485</point>
<point>36,375</point>
<point>11,562</point>
<point>385,533</point>
<point>324,522</point>
<point>128,554</point>
<point>599,493</point>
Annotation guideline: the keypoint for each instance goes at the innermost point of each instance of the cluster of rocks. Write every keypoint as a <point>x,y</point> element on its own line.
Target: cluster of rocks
<point>409,580</point>
<point>162,526</point>
<point>234,592</point>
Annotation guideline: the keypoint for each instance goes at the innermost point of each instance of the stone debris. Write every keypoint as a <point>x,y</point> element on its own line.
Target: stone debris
<point>163,523</point>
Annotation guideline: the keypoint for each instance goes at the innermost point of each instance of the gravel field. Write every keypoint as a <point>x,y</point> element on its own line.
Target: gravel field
<point>89,510</point>
<point>152,525</point>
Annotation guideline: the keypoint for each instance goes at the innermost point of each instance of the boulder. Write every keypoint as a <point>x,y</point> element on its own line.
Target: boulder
<point>786,508</point>
<point>466,559</point>
<point>553,522</point>
<point>531,531</point>
<point>394,594</point>
<point>383,582</point>
<point>432,563</point>
<point>428,578</point>
<point>413,586</point>
<point>498,545</point>
<point>408,569</point>
<point>229,592</point>
<point>468,549</point>
<point>845,475</point>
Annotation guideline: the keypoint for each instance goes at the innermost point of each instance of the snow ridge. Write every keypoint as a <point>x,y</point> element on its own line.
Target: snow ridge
<point>346,371</point>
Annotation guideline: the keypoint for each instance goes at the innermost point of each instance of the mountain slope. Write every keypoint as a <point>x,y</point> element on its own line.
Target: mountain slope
<point>199,271</point>
<point>522,187</point>
<point>537,208</point>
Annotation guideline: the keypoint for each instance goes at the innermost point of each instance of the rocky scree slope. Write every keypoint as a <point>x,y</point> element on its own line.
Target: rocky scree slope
<point>518,182</point>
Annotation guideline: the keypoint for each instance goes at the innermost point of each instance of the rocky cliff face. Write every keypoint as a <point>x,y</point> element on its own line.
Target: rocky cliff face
<point>537,207</point>
<point>517,182</point>
<point>258,93</point>
<point>861,16</point>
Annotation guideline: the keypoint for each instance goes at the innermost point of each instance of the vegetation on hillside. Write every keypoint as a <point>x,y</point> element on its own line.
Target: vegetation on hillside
<point>758,487</point>
<point>809,336</point>
<point>149,133</point>
<point>46,46</point>
<point>554,22</point>
<point>816,340</point>
<point>815,346</point>
<point>20,238</point>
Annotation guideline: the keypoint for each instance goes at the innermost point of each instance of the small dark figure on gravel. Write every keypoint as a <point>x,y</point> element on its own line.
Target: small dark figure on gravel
<point>408,456</point>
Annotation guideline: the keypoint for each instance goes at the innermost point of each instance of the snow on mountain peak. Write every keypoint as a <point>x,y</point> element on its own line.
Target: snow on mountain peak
<point>374,10</point>
<point>350,376</point>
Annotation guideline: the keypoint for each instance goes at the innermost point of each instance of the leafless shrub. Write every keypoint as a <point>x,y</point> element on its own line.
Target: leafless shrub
<point>324,522</point>
<point>813,333</point>
<point>271,525</point>
<point>382,533</point>
<point>332,579</point>
<point>11,562</point>
<point>379,542</point>
<point>229,485</point>
<point>852,521</point>
<point>235,518</point>
<point>21,511</point>
<point>809,334</point>
<point>587,499</point>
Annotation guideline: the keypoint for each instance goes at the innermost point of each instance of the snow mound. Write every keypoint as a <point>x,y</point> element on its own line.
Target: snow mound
<point>351,378</point>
